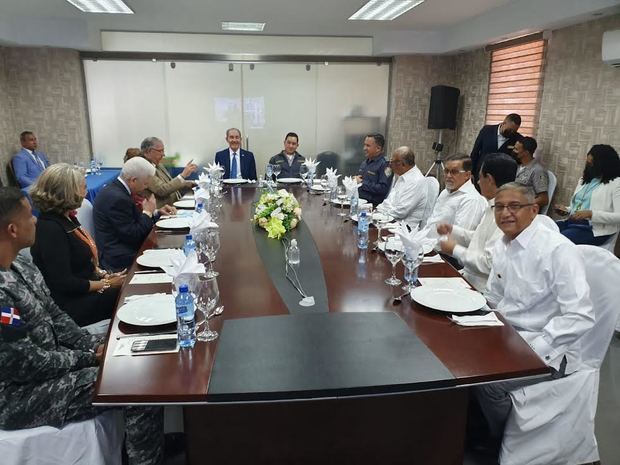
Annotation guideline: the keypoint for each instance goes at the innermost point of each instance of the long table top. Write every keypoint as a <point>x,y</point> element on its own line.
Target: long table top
<point>472,355</point>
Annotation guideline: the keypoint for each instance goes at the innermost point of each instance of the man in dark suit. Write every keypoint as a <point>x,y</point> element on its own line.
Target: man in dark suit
<point>495,138</point>
<point>120,226</point>
<point>28,163</point>
<point>237,163</point>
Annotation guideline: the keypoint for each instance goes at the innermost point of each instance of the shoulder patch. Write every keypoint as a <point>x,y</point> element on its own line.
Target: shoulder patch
<point>387,171</point>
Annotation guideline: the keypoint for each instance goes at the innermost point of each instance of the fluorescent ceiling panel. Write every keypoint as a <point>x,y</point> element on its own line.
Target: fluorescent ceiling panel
<point>235,26</point>
<point>102,6</point>
<point>384,10</point>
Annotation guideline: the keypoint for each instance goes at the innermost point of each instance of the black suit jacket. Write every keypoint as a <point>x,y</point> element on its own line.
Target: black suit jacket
<point>486,143</point>
<point>120,227</point>
<point>248,165</point>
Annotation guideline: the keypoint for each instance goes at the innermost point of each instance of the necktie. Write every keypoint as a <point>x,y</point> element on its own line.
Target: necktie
<point>38,159</point>
<point>233,168</point>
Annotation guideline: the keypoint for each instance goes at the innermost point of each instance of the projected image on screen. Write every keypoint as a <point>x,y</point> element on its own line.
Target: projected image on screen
<point>225,108</point>
<point>254,112</point>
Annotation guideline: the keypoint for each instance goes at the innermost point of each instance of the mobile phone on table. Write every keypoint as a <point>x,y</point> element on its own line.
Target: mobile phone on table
<point>154,345</point>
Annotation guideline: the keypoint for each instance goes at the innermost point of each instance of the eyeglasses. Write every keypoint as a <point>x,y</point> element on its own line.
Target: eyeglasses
<point>394,162</point>
<point>157,150</point>
<point>448,172</point>
<point>511,207</point>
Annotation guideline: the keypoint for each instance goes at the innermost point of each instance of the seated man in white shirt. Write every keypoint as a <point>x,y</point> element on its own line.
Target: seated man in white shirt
<point>474,248</point>
<point>459,203</point>
<point>538,284</point>
<point>407,198</point>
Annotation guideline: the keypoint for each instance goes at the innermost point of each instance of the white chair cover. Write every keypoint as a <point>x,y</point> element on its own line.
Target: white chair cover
<point>85,216</point>
<point>553,182</point>
<point>611,243</point>
<point>552,422</point>
<point>97,441</point>
<point>432,186</point>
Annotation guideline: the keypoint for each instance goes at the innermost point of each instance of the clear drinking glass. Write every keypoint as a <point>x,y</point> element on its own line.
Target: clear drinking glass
<point>394,252</point>
<point>411,270</point>
<point>342,198</point>
<point>212,247</point>
<point>379,220</point>
<point>277,169</point>
<point>207,297</point>
<point>269,173</point>
<point>303,173</point>
<point>325,187</point>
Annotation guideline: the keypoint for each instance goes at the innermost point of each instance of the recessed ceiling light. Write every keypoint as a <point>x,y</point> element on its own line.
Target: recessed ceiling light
<point>384,10</point>
<point>102,6</point>
<point>236,26</point>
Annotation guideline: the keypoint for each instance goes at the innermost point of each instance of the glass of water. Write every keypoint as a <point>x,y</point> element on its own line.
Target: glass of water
<point>394,251</point>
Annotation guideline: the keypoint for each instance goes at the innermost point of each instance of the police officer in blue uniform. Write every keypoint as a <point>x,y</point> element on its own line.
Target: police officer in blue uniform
<point>375,174</point>
<point>289,159</point>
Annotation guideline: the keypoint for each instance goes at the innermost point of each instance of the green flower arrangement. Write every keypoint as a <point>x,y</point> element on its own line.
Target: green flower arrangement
<point>277,213</point>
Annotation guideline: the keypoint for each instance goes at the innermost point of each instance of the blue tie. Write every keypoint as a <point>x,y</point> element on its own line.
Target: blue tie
<point>233,169</point>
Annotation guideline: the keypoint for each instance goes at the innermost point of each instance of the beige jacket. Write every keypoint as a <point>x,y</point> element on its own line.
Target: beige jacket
<point>167,189</point>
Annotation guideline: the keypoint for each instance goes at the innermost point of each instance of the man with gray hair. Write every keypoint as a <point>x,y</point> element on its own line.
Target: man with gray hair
<point>120,226</point>
<point>237,163</point>
<point>166,189</point>
<point>537,282</point>
<point>407,198</point>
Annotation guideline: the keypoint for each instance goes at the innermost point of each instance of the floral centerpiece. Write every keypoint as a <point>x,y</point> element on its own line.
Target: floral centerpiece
<point>277,213</point>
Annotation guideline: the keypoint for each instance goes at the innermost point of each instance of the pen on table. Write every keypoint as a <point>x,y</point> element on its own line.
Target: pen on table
<point>124,336</point>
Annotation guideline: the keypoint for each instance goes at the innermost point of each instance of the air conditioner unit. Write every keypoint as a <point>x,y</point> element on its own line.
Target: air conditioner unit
<point>611,48</point>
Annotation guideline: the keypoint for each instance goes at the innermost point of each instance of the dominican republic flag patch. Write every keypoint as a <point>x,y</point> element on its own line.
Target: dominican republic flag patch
<point>9,316</point>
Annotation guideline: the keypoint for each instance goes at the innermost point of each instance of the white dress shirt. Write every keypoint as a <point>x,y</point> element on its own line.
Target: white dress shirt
<point>407,198</point>
<point>538,282</point>
<point>474,249</point>
<point>231,152</point>
<point>500,138</point>
<point>463,207</point>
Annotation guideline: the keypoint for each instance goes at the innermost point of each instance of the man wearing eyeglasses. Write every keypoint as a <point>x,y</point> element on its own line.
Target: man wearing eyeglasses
<point>459,203</point>
<point>407,199</point>
<point>166,189</point>
<point>537,282</point>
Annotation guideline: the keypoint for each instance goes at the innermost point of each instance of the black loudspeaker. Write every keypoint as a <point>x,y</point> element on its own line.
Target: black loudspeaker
<point>442,111</point>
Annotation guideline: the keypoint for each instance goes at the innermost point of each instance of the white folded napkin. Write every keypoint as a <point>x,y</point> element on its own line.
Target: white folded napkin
<point>204,180</point>
<point>213,168</point>
<point>490,319</point>
<point>445,283</point>
<point>200,221</point>
<point>183,269</point>
<point>332,177</point>
<point>202,193</point>
<point>414,240</point>
<point>311,164</point>
<point>350,184</point>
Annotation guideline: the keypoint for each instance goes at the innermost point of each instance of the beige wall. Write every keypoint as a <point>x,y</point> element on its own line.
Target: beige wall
<point>42,89</point>
<point>580,104</point>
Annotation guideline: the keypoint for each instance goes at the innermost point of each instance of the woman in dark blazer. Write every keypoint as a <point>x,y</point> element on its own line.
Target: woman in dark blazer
<point>65,253</point>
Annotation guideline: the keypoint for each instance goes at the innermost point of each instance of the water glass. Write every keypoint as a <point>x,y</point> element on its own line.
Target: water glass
<point>342,198</point>
<point>394,252</point>
<point>277,169</point>
<point>207,297</point>
<point>412,265</point>
<point>269,173</point>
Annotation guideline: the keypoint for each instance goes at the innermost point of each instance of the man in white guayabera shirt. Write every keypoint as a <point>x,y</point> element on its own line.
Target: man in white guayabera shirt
<point>407,198</point>
<point>474,248</point>
<point>459,203</point>
<point>538,284</point>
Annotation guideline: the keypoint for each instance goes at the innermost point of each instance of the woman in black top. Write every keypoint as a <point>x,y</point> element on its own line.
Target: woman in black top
<point>65,253</point>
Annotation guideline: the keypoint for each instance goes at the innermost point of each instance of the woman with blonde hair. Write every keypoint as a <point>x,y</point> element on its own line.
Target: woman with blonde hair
<point>65,252</point>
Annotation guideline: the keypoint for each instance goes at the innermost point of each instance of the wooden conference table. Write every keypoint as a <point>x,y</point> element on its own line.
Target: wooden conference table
<point>426,426</point>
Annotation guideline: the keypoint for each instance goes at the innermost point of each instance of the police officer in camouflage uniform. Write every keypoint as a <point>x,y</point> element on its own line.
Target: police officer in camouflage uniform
<point>375,174</point>
<point>49,364</point>
<point>289,159</point>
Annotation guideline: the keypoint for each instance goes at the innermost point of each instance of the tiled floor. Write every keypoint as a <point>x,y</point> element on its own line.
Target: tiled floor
<point>607,420</point>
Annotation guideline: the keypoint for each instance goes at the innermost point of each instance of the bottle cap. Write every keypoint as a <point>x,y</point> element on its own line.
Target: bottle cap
<point>293,242</point>
<point>183,288</point>
<point>189,236</point>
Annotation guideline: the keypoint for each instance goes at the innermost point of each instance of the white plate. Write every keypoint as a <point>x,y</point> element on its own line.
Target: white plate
<point>174,223</point>
<point>290,180</point>
<point>449,300</point>
<point>234,181</point>
<point>318,188</point>
<point>185,203</point>
<point>346,203</point>
<point>149,311</point>
<point>156,258</point>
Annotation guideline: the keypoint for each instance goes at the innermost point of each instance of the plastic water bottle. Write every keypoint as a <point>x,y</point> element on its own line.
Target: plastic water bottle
<point>199,207</point>
<point>186,325</point>
<point>293,253</point>
<point>189,246</point>
<point>362,230</point>
<point>354,203</point>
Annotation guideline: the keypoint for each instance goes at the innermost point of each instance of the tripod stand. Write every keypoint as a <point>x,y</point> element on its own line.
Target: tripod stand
<point>438,163</point>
